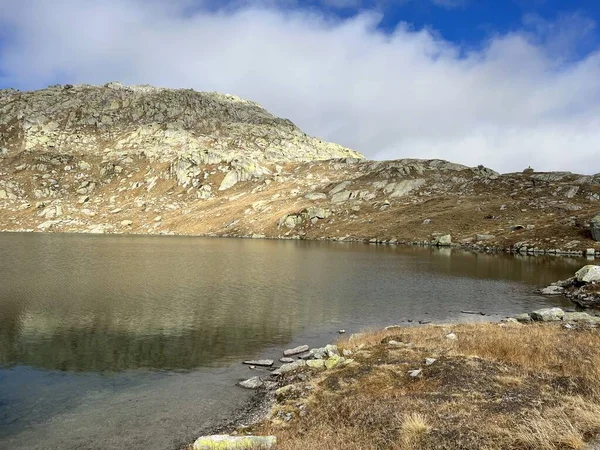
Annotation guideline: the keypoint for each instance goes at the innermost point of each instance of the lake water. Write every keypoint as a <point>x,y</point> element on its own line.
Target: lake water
<point>136,342</point>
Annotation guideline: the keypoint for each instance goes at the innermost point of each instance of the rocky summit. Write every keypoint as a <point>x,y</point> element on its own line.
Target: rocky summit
<point>139,159</point>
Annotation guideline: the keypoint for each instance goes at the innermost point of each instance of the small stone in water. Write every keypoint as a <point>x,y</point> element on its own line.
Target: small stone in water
<point>286,360</point>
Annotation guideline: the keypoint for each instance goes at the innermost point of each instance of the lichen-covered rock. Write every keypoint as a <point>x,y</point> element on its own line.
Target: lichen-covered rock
<point>226,442</point>
<point>547,315</point>
<point>523,318</point>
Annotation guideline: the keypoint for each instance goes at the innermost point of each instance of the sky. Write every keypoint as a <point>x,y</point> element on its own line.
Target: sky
<point>503,83</point>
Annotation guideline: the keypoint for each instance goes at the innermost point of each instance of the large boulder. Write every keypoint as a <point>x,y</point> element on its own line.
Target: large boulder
<point>547,315</point>
<point>588,274</point>
<point>595,227</point>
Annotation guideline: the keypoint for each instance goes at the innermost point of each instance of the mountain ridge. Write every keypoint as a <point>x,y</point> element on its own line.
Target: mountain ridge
<point>150,160</point>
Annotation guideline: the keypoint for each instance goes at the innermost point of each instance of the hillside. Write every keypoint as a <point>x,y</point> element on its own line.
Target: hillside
<point>139,159</point>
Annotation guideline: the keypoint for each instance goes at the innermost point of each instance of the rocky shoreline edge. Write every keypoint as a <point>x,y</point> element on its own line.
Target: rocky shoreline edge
<point>442,242</point>
<point>275,385</point>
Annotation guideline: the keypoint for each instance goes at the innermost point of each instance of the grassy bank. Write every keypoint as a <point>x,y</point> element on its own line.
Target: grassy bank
<point>491,386</point>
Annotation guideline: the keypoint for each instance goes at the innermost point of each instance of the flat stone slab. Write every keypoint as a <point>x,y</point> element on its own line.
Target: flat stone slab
<point>259,362</point>
<point>226,442</point>
<point>296,351</point>
<point>251,383</point>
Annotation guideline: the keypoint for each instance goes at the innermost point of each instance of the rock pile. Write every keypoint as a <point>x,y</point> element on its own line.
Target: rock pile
<point>583,289</point>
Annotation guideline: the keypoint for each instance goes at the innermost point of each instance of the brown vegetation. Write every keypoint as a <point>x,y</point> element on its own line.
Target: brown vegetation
<point>506,386</point>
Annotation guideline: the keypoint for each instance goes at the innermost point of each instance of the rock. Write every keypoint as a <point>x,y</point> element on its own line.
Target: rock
<point>226,442</point>
<point>484,237</point>
<point>595,227</point>
<point>296,350</point>
<point>590,252</point>
<point>347,352</point>
<point>588,274</point>
<point>230,180</point>
<point>523,318</point>
<point>286,360</point>
<point>429,361</point>
<point>259,362</point>
<point>451,336</point>
<point>3,194</point>
<point>126,223</point>
<point>426,221</point>
<point>315,196</point>
<point>547,314</point>
<point>285,390</point>
<point>415,373</point>
<point>333,362</point>
<point>579,317</point>
<point>286,368</point>
<point>316,363</point>
<point>443,241</point>
<point>341,331</point>
<point>251,383</point>
<point>553,290</point>
<point>332,350</point>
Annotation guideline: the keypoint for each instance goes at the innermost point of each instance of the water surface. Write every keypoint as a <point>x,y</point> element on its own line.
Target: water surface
<point>135,342</point>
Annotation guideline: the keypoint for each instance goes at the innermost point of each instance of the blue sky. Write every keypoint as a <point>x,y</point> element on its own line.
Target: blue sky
<point>504,83</point>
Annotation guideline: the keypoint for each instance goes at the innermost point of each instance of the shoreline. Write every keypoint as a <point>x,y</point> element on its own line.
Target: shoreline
<point>474,248</point>
<point>298,393</point>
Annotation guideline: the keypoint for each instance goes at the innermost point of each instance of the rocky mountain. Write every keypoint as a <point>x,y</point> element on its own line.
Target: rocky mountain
<point>138,159</point>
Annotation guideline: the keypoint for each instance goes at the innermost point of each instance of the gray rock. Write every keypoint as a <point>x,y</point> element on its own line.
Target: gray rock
<point>553,290</point>
<point>226,442</point>
<point>259,362</point>
<point>286,360</point>
<point>415,373</point>
<point>588,274</point>
<point>485,237</point>
<point>331,350</point>
<point>296,350</point>
<point>315,196</point>
<point>429,361</point>
<point>286,368</point>
<point>579,317</point>
<point>451,336</point>
<point>252,383</point>
<point>595,227</point>
<point>547,315</point>
<point>443,241</point>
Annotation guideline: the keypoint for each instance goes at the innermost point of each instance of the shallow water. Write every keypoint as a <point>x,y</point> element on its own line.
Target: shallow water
<point>136,342</point>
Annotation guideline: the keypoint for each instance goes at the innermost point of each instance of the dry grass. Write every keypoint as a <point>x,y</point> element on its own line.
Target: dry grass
<point>495,387</point>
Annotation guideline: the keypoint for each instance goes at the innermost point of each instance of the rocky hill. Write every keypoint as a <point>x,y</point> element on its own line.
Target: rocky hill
<point>117,159</point>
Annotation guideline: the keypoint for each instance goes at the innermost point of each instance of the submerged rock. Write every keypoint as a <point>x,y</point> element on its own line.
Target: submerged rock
<point>259,362</point>
<point>552,290</point>
<point>251,383</point>
<point>226,442</point>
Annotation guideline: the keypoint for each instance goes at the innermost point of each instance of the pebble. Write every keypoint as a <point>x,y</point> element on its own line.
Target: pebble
<point>415,373</point>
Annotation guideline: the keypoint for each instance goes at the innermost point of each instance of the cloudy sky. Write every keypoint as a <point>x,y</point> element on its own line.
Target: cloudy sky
<point>504,83</point>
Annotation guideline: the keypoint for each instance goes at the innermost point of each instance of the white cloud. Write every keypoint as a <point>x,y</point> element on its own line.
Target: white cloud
<point>409,94</point>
